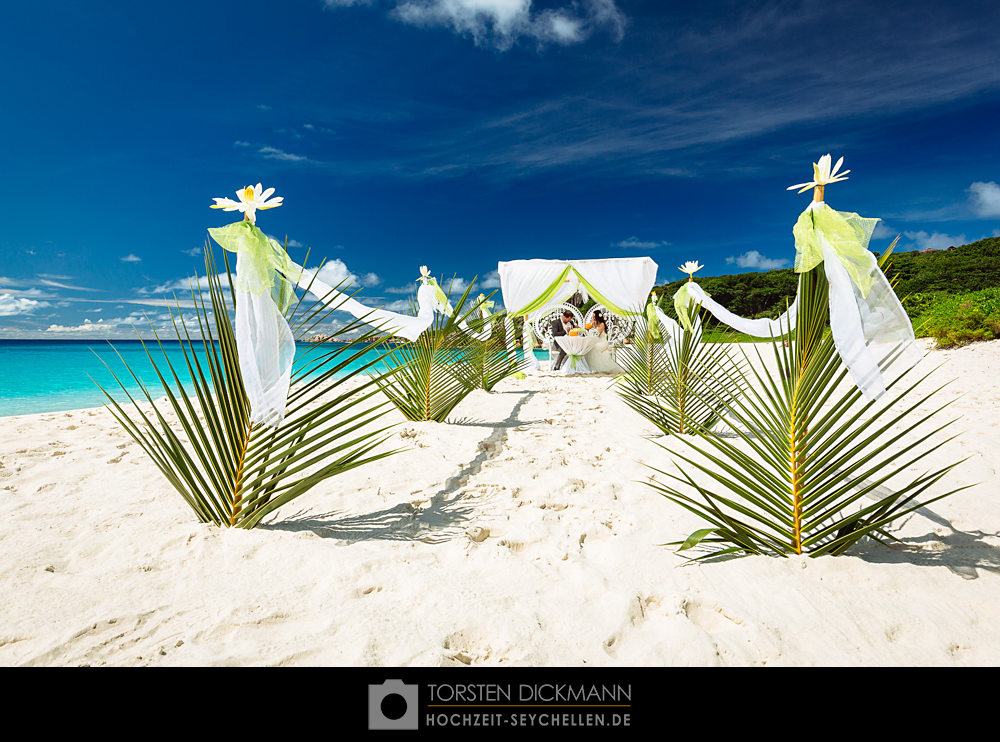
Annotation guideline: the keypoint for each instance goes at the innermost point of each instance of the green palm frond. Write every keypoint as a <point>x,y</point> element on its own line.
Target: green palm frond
<point>430,376</point>
<point>231,472</point>
<point>673,384</point>
<point>814,467</point>
<point>644,362</point>
<point>494,359</point>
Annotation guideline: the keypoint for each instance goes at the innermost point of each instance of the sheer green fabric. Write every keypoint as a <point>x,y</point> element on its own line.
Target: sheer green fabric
<point>681,301</point>
<point>545,297</point>
<point>553,289</point>
<point>847,233</point>
<point>601,298</point>
<point>439,296</point>
<point>652,320</point>
<point>264,266</point>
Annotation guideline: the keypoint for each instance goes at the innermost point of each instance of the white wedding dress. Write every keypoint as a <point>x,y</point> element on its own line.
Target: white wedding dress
<point>602,358</point>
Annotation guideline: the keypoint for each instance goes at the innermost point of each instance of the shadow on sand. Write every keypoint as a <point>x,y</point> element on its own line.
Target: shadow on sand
<point>963,553</point>
<point>439,520</point>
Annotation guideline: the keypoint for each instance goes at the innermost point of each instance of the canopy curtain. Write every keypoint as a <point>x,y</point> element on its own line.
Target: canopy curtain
<point>531,286</point>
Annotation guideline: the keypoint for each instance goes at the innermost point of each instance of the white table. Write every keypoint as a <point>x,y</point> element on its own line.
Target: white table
<point>576,347</point>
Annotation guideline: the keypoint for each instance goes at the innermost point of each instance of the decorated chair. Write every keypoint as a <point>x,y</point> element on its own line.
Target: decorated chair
<point>619,326</point>
<point>542,324</point>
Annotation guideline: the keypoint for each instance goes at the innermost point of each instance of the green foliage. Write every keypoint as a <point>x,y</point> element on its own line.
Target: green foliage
<point>645,364</point>
<point>428,378</point>
<point>957,319</point>
<point>808,448</point>
<point>671,383</point>
<point>971,267</point>
<point>229,471</point>
<point>494,359</point>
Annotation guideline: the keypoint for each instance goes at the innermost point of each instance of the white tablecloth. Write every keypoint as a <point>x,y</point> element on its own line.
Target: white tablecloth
<point>576,347</point>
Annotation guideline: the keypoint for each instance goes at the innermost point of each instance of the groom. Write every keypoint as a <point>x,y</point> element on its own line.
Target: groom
<point>561,326</point>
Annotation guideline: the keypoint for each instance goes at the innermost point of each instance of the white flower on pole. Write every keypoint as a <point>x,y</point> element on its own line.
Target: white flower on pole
<point>425,274</point>
<point>251,198</point>
<point>822,174</point>
<point>690,267</point>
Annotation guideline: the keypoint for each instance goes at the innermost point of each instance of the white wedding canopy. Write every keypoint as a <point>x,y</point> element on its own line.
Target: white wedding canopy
<point>529,287</point>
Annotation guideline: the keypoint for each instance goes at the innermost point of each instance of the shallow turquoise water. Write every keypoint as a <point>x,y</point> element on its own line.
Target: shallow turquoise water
<point>50,376</point>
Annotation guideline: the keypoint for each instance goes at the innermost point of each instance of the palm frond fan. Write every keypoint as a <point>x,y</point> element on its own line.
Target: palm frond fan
<point>491,353</point>
<point>825,439</point>
<point>427,378</point>
<point>230,470</point>
<point>673,384</point>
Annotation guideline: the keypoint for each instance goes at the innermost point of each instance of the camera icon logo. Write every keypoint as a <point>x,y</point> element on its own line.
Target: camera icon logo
<point>393,705</point>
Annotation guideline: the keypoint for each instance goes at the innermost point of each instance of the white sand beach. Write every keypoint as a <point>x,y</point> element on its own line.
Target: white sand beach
<point>518,534</point>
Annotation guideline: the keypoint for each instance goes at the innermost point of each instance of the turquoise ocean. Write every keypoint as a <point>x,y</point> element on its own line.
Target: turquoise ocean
<point>56,375</point>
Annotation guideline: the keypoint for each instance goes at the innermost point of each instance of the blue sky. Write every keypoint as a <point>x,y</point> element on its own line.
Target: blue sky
<point>456,133</point>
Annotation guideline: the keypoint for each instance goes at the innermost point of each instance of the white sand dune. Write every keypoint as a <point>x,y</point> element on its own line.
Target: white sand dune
<point>522,534</point>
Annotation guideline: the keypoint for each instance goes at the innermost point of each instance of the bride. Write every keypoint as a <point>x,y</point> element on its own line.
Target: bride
<point>602,358</point>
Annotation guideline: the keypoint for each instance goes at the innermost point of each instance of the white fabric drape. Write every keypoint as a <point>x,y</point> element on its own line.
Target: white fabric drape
<point>672,327</point>
<point>266,346</point>
<point>624,282</point>
<point>385,321</point>
<point>761,328</point>
<point>266,350</point>
<point>871,332</point>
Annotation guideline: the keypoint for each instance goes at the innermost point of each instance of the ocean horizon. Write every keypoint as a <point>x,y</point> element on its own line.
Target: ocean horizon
<point>43,375</point>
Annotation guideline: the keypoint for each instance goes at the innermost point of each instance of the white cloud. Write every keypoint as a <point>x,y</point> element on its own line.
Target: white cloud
<point>336,271</point>
<point>273,153</point>
<point>934,241</point>
<point>181,284</point>
<point>59,285</point>
<point>194,251</point>
<point>125,327</point>
<point>634,243</point>
<point>754,260</point>
<point>86,327</point>
<point>491,280</point>
<point>985,199</point>
<point>281,241</point>
<point>11,305</point>
<point>883,232</point>
<point>131,258</point>
<point>400,305</point>
<point>500,23</point>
